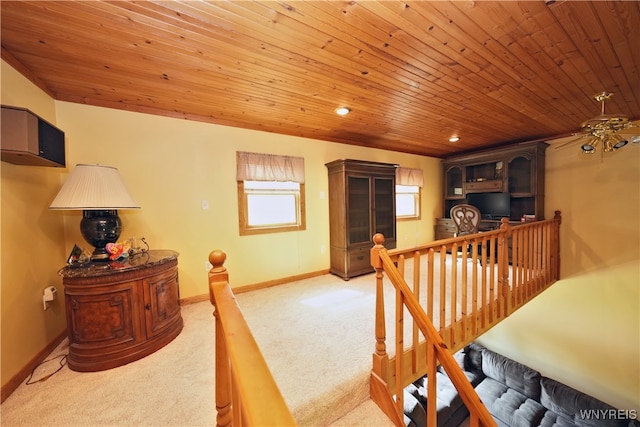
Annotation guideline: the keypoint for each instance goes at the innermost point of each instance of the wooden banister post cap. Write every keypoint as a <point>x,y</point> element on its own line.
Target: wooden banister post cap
<point>378,239</point>
<point>504,223</point>
<point>217,257</point>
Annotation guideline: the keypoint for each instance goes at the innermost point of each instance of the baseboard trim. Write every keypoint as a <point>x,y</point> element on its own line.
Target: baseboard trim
<point>276,282</point>
<point>194,299</point>
<point>257,286</point>
<point>24,373</point>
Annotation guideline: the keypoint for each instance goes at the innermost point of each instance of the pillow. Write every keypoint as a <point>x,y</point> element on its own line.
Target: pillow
<point>508,405</point>
<point>473,357</point>
<point>511,373</point>
<point>460,357</point>
<point>583,409</point>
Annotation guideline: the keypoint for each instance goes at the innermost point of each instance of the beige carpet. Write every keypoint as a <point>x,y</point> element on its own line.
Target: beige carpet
<point>317,336</point>
<point>172,387</point>
<point>297,326</point>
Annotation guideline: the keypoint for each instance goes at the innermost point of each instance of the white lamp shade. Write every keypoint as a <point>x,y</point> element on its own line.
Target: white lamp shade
<point>94,187</point>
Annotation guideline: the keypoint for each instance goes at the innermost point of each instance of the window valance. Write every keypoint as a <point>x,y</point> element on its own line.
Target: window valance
<point>269,167</point>
<point>409,176</point>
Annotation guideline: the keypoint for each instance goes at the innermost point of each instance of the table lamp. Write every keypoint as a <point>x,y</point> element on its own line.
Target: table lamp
<point>99,192</point>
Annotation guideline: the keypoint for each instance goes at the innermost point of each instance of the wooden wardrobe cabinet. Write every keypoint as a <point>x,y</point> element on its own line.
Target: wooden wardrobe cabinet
<point>121,312</point>
<point>361,204</point>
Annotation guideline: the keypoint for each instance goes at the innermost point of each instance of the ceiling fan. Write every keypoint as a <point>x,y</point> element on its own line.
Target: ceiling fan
<point>605,130</point>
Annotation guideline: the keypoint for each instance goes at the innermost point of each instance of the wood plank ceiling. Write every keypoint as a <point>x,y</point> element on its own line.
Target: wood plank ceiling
<point>413,73</point>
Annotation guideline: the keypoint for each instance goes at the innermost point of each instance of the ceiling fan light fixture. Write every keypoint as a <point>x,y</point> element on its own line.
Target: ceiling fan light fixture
<point>613,142</point>
<point>604,129</point>
<point>618,145</point>
<point>588,148</point>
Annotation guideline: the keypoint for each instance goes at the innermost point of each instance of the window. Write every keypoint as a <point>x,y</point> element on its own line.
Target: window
<point>409,183</point>
<point>269,206</point>
<point>270,193</point>
<point>407,201</point>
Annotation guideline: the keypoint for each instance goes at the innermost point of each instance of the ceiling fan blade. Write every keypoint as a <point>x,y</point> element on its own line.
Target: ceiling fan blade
<point>574,140</point>
<point>632,129</point>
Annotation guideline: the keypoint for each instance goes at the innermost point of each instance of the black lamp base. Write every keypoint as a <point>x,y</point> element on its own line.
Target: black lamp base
<point>99,228</point>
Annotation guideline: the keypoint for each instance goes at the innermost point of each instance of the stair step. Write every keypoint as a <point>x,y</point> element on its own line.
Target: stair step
<point>365,414</point>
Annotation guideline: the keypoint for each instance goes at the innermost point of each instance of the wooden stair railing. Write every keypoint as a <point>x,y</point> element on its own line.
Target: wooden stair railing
<point>246,393</point>
<point>436,351</point>
<point>464,294</point>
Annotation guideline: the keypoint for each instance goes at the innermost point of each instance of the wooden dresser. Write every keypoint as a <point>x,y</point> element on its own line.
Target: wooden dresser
<point>118,312</point>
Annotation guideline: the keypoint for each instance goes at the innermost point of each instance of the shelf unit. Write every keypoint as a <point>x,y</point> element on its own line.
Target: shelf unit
<point>517,169</point>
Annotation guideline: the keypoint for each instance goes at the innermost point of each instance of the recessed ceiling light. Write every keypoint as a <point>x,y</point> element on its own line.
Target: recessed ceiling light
<point>454,139</point>
<point>342,111</point>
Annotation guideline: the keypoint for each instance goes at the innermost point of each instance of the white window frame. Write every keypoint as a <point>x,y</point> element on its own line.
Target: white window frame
<point>409,195</point>
<point>251,221</point>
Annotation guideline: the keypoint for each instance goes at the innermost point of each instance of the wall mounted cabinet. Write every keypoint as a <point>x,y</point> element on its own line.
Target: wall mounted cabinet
<point>361,204</point>
<point>30,140</point>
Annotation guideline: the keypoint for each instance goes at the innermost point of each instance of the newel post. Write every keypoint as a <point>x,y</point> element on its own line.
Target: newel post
<point>557,216</point>
<point>218,276</point>
<point>503,264</point>
<point>376,263</point>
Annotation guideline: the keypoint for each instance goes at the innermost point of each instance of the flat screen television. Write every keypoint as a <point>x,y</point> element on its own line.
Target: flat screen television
<point>491,205</point>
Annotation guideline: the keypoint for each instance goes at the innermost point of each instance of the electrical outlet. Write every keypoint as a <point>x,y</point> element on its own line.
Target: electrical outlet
<point>50,294</point>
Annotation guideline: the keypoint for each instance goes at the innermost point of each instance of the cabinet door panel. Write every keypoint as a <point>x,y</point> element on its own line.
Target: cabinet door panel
<point>359,210</point>
<point>161,298</point>
<point>384,208</point>
<point>521,176</point>
<point>453,179</point>
<point>103,320</point>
